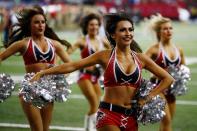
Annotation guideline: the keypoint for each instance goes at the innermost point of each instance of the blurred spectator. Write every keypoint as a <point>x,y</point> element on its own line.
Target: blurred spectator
<point>184,14</point>
<point>192,6</point>
<point>1,18</point>
<point>193,11</point>
<point>6,26</point>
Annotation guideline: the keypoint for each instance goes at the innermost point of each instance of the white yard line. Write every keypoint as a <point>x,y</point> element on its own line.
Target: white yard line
<point>183,102</point>
<point>191,60</point>
<point>62,128</point>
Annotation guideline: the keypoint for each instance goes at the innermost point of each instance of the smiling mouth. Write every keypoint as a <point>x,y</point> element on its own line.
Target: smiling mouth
<point>40,30</point>
<point>127,38</point>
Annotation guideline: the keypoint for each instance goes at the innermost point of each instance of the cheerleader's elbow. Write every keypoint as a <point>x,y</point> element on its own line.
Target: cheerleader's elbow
<point>170,80</point>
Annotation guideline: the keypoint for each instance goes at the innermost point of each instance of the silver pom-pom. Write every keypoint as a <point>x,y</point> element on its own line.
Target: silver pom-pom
<point>47,89</point>
<point>38,92</point>
<point>182,76</point>
<point>153,110</point>
<point>145,88</point>
<point>62,88</point>
<point>6,86</point>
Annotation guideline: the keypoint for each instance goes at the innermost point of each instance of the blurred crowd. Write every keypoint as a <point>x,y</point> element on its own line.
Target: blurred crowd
<point>67,13</point>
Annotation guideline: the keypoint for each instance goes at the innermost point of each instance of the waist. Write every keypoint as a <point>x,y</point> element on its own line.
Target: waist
<point>119,85</point>
<point>36,67</point>
<point>117,108</point>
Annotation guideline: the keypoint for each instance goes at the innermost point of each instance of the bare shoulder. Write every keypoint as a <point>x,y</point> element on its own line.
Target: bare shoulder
<point>144,59</point>
<point>22,42</point>
<point>104,55</point>
<point>19,46</point>
<point>179,48</point>
<point>56,43</point>
<point>152,51</point>
<point>141,56</point>
<point>53,41</point>
<point>154,47</point>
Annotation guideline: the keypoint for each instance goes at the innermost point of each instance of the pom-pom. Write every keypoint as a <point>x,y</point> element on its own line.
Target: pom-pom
<point>182,76</point>
<point>48,89</point>
<point>6,86</point>
<point>62,88</point>
<point>153,110</point>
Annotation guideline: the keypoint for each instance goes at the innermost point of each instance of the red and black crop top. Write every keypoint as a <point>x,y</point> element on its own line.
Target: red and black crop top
<point>34,55</point>
<point>114,75</point>
<point>88,49</point>
<point>164,61</point>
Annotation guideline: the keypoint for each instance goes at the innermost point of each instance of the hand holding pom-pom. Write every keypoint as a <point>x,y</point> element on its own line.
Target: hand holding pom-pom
<point>46,89</point>
<point>149,109</point>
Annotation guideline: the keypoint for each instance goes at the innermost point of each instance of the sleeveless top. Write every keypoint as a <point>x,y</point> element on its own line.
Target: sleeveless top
<point>88,49</point>
<point>164,61</point>
<point>34,55</point>
<point>115,76</point>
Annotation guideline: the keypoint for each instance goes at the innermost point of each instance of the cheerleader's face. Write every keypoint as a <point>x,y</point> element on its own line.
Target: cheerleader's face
<point>38,25</point>
<point>124,33</point>
<point>166,31</point>
<point>93,27</point>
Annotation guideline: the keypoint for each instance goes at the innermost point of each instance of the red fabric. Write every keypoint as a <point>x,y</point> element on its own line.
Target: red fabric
<point>85,52</point>
<point>109,74</point>
<point>90,77</point>
<point>106,117</point>
<point>152,8</point>
<point>160,60</point>
<point>29,57</point>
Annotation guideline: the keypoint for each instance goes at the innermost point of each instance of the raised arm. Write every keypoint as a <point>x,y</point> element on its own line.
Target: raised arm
<point>77,45</point>
<point>18,46</point>
<point>96,58</point>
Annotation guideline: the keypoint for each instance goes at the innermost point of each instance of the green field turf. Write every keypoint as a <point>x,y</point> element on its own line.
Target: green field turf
<point>71,113</point>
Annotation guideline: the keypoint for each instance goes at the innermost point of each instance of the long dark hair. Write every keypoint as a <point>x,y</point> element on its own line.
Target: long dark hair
<point>111,20</point>
<point>23,26</point>
<point>85,21</point>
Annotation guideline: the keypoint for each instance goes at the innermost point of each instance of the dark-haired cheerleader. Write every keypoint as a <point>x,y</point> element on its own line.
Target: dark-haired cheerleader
<point>89,76</point>
<point>39,45</point>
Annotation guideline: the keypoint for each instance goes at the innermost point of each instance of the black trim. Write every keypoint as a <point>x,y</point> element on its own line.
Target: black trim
<point>116,108</point>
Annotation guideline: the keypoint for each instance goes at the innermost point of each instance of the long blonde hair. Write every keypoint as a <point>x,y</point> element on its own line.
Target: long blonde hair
<point>155,22</point>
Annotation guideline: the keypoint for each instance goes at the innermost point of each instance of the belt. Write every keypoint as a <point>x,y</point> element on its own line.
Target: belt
<point>116,108</point>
